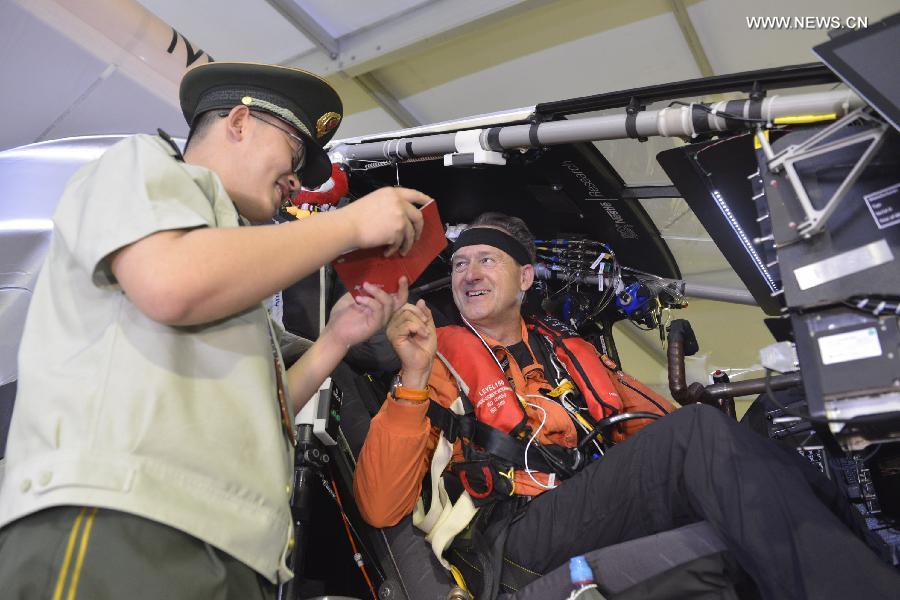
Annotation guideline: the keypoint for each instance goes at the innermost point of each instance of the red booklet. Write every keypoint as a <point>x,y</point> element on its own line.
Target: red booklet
<point>371,265</point>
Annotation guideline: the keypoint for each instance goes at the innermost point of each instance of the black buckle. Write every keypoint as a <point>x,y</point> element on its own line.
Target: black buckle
<point>631,112</point>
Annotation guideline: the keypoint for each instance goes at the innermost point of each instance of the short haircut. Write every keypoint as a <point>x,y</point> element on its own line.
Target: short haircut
<point>202,125</point>
<point>513,226</point>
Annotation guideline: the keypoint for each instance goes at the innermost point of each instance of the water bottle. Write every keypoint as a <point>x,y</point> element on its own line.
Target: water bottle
<point>583,586</point>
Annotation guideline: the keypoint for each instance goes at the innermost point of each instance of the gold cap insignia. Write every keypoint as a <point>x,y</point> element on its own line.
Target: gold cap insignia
<point>327,123</point>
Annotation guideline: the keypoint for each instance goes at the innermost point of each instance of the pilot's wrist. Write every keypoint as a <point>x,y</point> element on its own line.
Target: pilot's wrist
<point>414,393</point>
<point>414,379</point>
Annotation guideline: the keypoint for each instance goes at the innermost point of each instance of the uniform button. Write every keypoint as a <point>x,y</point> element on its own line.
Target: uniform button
<point>290,543</point>
<point>45,477</point>
<point>287,490</point>
<point>25,485</point>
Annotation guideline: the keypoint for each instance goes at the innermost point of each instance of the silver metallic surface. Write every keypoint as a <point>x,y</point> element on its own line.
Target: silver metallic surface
<point>31,180</point>
<point>843,264</point>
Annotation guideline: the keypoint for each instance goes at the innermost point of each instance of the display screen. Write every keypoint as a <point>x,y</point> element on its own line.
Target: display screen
<point>866,60</point>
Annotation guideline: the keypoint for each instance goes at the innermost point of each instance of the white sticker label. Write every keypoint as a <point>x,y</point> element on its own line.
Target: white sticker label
<point>885,206</point>
<point>853,345</point>
<point>846,263</point>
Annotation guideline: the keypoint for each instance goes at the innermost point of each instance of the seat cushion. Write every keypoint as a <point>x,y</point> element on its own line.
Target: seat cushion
<point>621,566</point>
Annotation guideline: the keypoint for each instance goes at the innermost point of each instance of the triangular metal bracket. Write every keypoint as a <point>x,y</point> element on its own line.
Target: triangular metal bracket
<point>818,145</point>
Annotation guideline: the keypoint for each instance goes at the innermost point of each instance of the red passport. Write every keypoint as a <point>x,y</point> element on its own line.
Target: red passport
<point>371,265</point>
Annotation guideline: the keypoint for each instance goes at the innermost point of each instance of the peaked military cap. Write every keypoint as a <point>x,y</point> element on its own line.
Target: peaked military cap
<point>303,100</point>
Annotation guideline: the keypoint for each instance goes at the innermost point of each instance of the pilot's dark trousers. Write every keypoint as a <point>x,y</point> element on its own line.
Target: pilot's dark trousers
<point>785,523</point>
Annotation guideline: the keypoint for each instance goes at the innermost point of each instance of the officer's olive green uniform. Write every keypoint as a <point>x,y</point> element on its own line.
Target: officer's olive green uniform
<point>180,425</point>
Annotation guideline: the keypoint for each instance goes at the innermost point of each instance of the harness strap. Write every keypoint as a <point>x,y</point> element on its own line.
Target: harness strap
<point>543,458</point>
<point>558,340</point>
<point>453,426</point>
<point>546,459</point>
<point>443,519</point>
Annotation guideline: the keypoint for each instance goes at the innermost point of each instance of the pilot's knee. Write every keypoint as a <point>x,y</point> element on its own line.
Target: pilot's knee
<point>696,410</point>
<point>701,415</point>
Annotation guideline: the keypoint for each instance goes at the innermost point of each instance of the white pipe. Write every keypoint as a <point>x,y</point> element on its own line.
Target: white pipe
<point>672,121</point>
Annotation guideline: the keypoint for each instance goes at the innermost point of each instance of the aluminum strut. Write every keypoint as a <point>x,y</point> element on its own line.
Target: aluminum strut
<point>673,121</point>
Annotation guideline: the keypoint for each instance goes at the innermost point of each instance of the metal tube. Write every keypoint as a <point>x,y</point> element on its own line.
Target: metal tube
<point>668,122</point>
<point>677,380</point>
<point>398,149</point>
<point>753,386</point>
<point>720,293</point>
<point>693,290</point>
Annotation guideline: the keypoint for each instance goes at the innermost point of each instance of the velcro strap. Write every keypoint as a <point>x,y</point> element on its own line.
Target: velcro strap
<point>631,125</point>
<point>533,135</point>
<point>699,119</point>
<point>754,110</point>
<point>493,139</point>
<point>736,108</point>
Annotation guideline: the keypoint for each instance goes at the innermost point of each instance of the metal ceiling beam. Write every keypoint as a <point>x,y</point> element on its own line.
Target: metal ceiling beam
<point>310,28</point>
<point>690,36</point>
<point>387,101</point>
<point>389,41</point>
<point>303,21</point>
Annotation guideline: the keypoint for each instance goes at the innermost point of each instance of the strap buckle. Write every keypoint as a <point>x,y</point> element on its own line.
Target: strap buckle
<point>511,475</point>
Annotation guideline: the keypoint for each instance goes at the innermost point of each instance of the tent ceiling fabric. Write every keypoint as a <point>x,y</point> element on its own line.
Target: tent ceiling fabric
<point>349,16</point>
<point>233,29</point>
<point>440,59</point>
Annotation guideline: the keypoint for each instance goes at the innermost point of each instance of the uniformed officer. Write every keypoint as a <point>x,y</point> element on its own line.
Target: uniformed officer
<point>150,450</point>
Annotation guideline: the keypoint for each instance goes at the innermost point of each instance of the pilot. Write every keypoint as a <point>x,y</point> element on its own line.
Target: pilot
<point>151,447</point>
<point>497,415</point>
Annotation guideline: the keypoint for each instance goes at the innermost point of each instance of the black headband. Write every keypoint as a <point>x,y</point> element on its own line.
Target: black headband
<point>496,238</point>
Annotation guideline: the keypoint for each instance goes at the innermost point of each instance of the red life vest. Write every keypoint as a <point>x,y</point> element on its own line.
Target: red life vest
<point>493,399</point>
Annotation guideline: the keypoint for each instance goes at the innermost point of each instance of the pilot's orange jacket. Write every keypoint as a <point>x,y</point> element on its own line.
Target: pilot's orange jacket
<point>398,448</point>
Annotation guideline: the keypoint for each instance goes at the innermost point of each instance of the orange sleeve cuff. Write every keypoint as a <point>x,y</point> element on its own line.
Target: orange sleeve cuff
<point>405,418</point>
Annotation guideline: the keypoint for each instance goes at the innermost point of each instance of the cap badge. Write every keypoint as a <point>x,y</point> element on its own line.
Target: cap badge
<point>327,123</point>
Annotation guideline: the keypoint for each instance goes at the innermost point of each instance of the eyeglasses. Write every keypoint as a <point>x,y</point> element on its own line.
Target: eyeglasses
<point>298,160</point>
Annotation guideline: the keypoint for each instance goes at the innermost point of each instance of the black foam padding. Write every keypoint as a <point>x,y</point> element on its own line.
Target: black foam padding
<point>699,119</point>
<point>681,330</point>
<point>736,108</point>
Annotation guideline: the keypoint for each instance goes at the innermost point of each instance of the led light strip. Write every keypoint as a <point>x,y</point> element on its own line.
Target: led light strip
<point>748,246</point>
